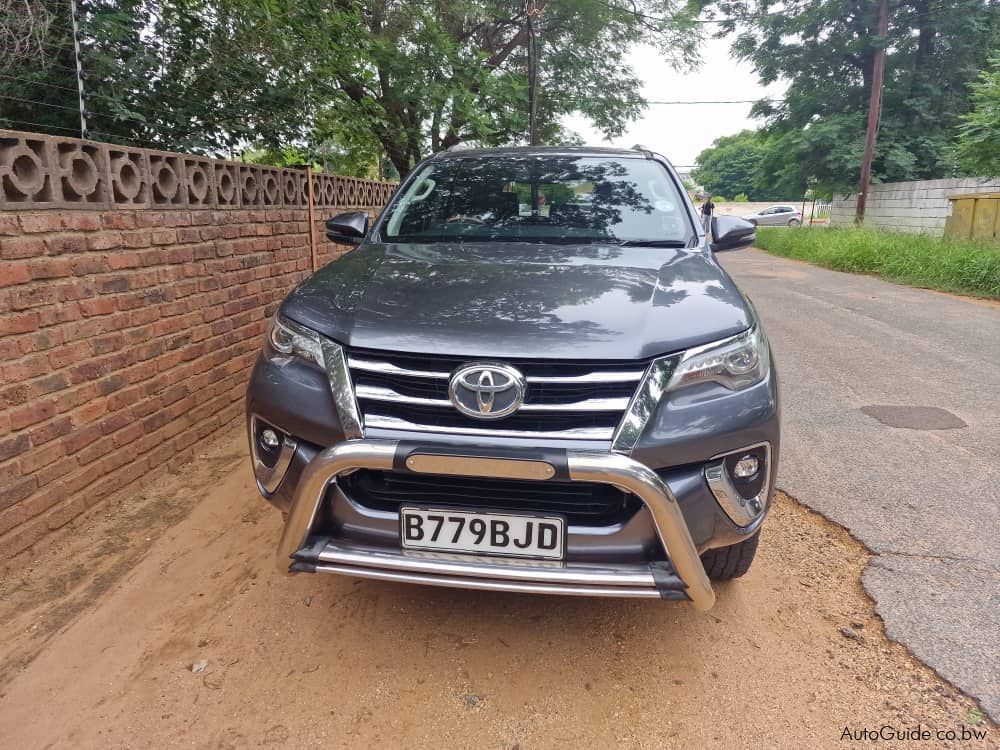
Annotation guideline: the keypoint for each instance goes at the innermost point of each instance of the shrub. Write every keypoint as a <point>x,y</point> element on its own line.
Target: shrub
<point>914,259</point>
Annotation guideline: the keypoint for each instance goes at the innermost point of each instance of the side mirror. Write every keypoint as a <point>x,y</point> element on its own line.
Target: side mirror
<point>349,228</point>
<point>732,232</point>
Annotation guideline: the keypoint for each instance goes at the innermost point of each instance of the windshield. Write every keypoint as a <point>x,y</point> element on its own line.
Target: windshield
<point>540,199</point>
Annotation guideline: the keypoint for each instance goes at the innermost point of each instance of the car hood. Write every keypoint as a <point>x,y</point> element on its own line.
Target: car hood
<point>521,300</point>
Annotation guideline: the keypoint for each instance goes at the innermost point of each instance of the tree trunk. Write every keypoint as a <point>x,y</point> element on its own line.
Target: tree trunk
<point>436,129</point>
<point>397,154</point>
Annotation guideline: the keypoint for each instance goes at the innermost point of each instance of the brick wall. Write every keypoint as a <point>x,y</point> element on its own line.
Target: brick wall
<point>135,288</point>
<point>918,206</point>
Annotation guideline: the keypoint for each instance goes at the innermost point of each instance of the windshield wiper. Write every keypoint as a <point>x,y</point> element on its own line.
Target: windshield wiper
<point>653,243</point>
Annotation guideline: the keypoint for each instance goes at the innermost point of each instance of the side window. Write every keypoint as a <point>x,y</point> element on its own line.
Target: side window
<point>417,207</point>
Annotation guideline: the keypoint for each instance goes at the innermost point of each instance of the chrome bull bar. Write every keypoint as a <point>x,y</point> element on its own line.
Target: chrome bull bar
<point>605,468</point>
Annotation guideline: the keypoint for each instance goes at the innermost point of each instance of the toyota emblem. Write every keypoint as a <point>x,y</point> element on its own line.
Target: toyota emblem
<point>487,391</point>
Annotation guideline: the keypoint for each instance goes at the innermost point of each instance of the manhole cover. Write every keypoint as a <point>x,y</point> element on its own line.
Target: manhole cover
<point>915,417</point>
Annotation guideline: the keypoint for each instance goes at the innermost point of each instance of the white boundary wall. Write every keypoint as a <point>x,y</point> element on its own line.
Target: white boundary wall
<point>919,206</point>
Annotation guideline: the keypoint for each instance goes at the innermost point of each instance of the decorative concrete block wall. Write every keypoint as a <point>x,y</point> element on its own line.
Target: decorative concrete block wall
<point>135,288</point>
<point>919,206</point>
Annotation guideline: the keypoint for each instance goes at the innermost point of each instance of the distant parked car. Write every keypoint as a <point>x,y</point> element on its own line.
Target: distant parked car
<point>776,216</point>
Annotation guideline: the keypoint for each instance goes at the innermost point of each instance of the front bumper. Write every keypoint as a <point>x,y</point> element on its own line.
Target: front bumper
<point>681,576</point>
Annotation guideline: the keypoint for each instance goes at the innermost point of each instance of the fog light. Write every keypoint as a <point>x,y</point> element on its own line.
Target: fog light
<point>746,467</point>
<point>273,451</point>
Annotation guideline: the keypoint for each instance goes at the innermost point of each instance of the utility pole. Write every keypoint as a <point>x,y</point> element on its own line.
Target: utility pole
<point>531,9</point>
<point>874,110</point>
<point>79,69</point>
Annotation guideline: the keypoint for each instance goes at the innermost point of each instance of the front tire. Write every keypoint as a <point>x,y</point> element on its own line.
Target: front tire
<point>725,563</point>
<point>793,222</point>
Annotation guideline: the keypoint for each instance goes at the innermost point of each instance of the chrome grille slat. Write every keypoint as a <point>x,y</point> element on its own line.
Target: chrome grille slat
<point>563,400</point>
<point>356,363</point>
<point>388,368</point>
<point>385,422</point>
<point>376,393</point>
<point>591,377</point>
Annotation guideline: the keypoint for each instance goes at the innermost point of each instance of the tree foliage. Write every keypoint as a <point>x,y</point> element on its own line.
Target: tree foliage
<point>422,76</point>
<point>191,75</point>
<point>825,49</point>
<point>24,26</point>
<point>732,166</point>
<point>343,80</point>
<point>979,135</point>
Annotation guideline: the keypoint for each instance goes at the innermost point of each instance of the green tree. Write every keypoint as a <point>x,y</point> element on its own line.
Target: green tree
<point>189,75</point>
<point>429,75</point>
<point>399,78</point>
<point>24,27</point>
<point>732,166</point>
<point>825,49</point>
<point>37,83</point>
<point>978,144</point>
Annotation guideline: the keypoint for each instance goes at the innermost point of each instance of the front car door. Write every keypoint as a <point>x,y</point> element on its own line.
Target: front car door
<point>767,217</point>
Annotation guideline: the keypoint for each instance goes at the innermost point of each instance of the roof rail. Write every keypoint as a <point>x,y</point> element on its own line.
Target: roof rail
<point>460,146</point>
<point>645,151</point>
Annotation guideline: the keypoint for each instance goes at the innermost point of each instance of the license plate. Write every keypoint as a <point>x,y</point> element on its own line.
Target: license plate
<point>507,534</point>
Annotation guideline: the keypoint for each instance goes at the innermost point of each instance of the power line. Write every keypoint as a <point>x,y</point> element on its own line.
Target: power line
<point>74,109</point>
<point>91,95</point>
<point>35,101</point>
<point>657,19</point>
<point>46,84</point>
<point>747,17</point>
<point>57,46</point>
<point>220,123</point>
<point>720,101</point>
<point>39,125</point>
<point>230,123</point>
<point>138,141</point>
<point>152,110</point>
<point>243,77</point>
<point>42,84</point>
<point>46,63</point>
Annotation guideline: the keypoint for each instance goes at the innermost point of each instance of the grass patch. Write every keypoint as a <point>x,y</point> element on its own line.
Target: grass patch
<point>914,259</point>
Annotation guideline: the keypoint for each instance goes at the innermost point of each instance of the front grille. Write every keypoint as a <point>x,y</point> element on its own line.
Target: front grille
<point>583,503</point>
<point>563,400</point>
<point>540,393</point>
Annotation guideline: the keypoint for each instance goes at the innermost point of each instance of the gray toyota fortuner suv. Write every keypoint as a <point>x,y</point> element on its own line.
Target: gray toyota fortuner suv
<point>529,375</point>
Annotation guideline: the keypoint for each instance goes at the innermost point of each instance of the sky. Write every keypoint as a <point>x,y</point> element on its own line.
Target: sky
<point>681,132</point>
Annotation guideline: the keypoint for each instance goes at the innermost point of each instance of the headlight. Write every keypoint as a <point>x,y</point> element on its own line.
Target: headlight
<point>735,363</point>
<point>289,339</point>
<point>286,339</point>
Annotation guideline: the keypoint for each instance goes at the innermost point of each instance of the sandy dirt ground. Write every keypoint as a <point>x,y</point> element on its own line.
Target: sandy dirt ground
<point>102,627</point>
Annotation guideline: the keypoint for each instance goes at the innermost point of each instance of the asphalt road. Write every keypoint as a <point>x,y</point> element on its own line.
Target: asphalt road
<point>918,483</point>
